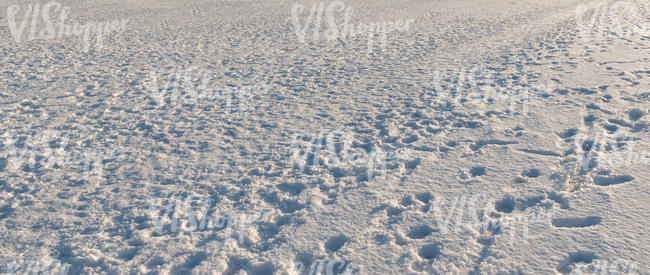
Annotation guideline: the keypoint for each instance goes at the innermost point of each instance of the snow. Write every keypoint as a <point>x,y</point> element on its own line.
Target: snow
<point>239,137</point>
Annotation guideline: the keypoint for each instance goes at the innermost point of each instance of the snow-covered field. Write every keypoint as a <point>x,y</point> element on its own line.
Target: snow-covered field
<point>332,137</point>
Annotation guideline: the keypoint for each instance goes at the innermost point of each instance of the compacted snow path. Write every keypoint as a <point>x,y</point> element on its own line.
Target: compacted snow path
<point>250,137</point>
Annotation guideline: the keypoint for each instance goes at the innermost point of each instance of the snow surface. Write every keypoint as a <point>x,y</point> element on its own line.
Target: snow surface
<point>330,155</point>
